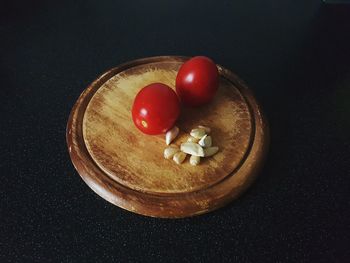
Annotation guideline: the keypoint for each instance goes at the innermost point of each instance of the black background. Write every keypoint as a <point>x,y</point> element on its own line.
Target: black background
<point>293,54</point>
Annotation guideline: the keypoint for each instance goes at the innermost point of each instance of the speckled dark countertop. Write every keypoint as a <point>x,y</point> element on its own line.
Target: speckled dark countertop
<point>295,55</point>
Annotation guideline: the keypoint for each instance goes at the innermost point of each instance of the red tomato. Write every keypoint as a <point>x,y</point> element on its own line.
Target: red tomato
<point>197,81</point>
<point>156,108</point>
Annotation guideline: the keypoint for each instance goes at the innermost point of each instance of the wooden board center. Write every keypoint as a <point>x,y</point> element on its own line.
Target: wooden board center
<point>136,160</point>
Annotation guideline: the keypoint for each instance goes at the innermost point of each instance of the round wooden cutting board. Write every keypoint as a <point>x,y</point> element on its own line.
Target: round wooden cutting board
<point>127,168</point>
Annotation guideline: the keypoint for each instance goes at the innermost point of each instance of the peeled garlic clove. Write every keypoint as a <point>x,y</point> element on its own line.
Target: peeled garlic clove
<point>192,139</point>
<point>201,141</point>
<point>198,133</point>
<point>171,135</point>
<point>195,160</point>
<point>210,151</point>
<point>207,129</point>
<point>192,148</point>
<point>170,151</point>
<point>205,141</point>
<point>179,157</point>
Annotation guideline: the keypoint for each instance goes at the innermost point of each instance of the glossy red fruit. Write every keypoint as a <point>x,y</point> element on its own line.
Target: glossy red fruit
<point>156,108</point>
<point>197,81</point>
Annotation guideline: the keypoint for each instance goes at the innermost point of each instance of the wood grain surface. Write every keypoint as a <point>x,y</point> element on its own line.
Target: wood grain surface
<point>127,167</point>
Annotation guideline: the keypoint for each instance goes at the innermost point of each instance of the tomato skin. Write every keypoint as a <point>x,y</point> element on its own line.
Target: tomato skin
<point>156,108</point>
<point>197,81</point>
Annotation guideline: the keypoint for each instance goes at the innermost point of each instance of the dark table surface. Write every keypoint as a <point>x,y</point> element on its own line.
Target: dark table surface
<point>295,55</point>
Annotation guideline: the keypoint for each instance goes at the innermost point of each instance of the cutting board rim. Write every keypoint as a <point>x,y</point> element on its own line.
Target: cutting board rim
<point>171,205</point>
